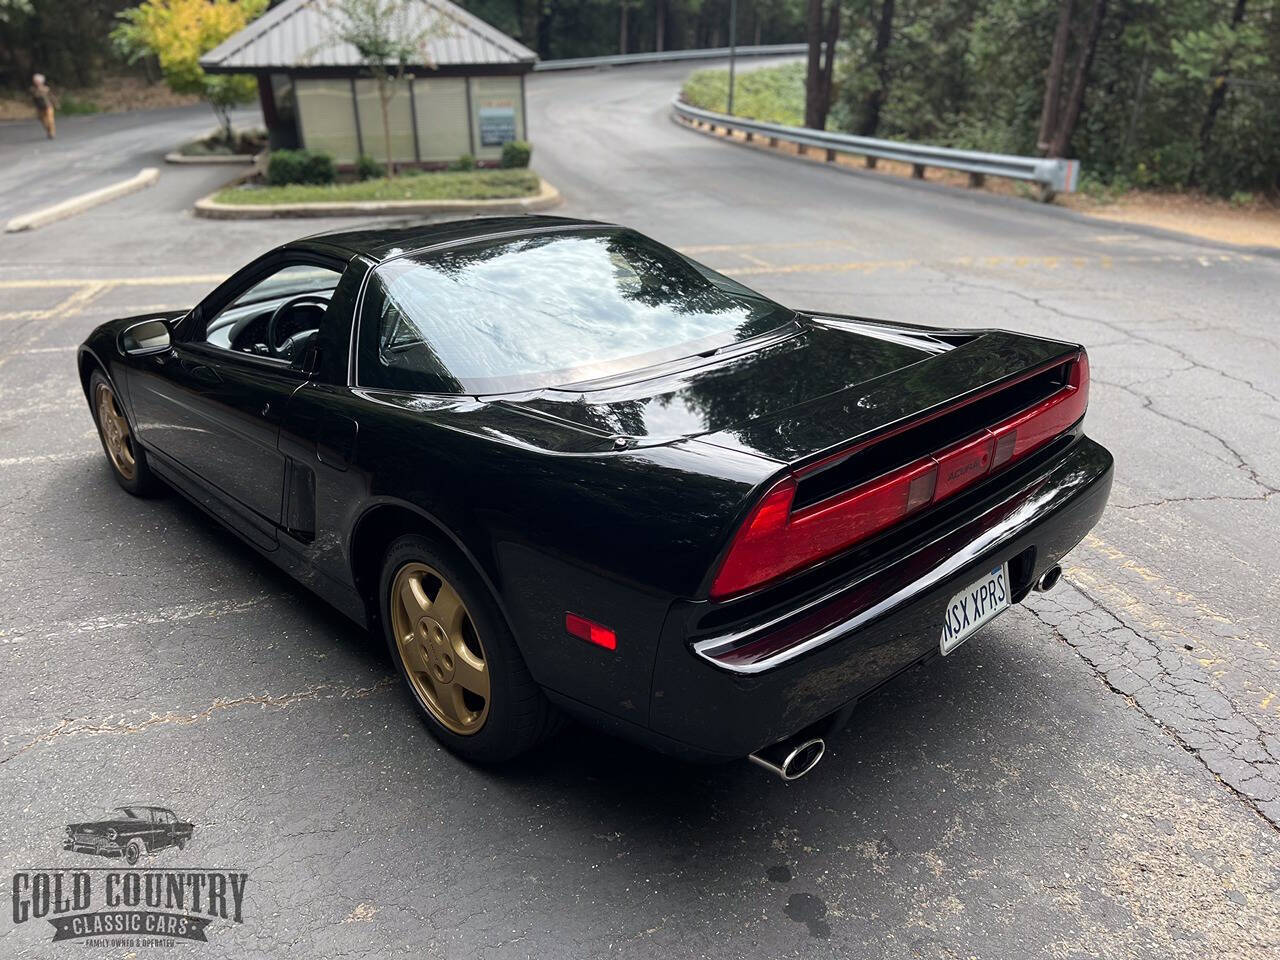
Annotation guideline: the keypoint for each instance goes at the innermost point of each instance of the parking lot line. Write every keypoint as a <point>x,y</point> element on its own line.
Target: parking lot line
<point>156,281</point>
<point>67,307</point>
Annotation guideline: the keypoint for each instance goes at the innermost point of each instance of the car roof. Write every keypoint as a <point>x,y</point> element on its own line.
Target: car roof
<point>381,242</point>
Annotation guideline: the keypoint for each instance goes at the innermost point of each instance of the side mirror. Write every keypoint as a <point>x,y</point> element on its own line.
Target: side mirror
<point>144,338</point>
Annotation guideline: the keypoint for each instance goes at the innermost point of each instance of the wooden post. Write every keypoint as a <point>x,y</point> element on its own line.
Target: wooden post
<point>801,149</point>
<point>750,136</point>
<point>773,141</point>
<point>831,155</point>
<point>917,171</point>
<point>871,162</point>
<point>977,179</point>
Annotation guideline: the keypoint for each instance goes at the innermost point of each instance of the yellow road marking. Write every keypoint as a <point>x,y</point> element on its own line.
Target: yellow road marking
<point>1016,262</point>
<point>122,310</point>
<point>165,281</point>
<point>68,307</point>
<point>1208,653</point>
<point>739,247</point>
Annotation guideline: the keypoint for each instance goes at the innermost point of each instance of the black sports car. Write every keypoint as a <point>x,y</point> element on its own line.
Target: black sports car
<point>129,832</point>
<point>565,468</point>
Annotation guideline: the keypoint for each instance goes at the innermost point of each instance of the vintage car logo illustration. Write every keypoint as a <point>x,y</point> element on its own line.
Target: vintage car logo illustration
<point>128,903</point>
<point>130,832</point>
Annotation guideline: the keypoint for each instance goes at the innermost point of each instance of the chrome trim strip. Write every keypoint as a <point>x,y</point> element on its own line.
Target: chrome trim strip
<point>713,647</point>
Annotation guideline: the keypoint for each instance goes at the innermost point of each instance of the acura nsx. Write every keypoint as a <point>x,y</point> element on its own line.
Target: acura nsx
<point>564,469</point>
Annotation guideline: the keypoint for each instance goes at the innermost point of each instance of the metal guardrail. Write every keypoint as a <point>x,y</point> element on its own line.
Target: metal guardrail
<point>1053,176</point>
<point>708,53</point>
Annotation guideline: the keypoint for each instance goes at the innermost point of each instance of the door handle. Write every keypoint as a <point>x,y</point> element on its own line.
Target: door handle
<point>201,371</point>
<point>266,408</point>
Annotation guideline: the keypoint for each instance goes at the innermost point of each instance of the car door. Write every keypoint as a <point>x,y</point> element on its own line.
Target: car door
<point>318,438</point>
<point>168,830</point>
<point>212,406</point>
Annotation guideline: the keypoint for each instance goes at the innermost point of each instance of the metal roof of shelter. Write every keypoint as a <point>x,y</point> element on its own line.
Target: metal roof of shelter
<point>297,34</point>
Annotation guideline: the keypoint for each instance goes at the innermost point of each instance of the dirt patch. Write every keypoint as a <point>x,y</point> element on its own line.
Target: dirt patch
<point>1252,224</point>
<point>112,95</point>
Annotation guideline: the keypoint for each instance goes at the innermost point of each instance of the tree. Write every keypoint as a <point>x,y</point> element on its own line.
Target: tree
<point>390,36</point>
<point>1232,42</point>
<point>1053,78</point>
<point>822,34</point>
<point>178,33</point>
<point>1075,99</point>
<point>880,60</point>
<point>9,9</point>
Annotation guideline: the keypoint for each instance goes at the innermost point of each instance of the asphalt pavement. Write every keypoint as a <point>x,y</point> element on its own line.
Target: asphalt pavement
<point>1096,775</point>
<point>92,151</point>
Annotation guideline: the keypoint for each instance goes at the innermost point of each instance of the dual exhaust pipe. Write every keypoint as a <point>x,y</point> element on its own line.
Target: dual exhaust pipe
<point>791,758</point>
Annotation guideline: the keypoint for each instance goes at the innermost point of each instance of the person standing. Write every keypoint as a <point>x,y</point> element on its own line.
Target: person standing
<point>44,101</point>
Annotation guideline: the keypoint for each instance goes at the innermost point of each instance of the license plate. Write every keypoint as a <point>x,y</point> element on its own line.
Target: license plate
<point>974,606</point>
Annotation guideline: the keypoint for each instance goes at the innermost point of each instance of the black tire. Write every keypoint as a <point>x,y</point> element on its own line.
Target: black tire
<point>133,851</point>
<point>519,716</point>
<point>135,477</point>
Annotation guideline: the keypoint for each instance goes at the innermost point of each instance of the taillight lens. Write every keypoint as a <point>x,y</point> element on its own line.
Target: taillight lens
<point>774,540</point>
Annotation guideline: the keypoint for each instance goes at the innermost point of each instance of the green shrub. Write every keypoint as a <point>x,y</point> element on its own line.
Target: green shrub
<point>368,168</point>
<point>435,185</point>
<point>299,166</point>
<point>464,162</point>
<point>71,106</point>
<point>772,94</point>
<point>516,153</point>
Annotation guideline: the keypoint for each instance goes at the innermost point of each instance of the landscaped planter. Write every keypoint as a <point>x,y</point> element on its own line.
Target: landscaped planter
<point>546,198</point>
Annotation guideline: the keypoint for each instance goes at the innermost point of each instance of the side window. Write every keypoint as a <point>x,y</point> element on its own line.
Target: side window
<point>393,351</point>
<point>276,315</point>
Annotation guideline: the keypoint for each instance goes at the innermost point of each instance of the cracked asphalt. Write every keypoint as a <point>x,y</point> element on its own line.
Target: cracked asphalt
<point>1095,775</point>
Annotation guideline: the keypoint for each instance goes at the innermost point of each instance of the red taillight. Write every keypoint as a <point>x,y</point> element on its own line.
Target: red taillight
<point>1046,419</point>
<point>774,540</point>
<point>592,632</point>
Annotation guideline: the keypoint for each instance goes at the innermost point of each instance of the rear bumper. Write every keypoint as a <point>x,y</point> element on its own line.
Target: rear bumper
<point>727,693</point>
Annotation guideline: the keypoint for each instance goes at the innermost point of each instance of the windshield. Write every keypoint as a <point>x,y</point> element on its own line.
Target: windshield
<point>290,282</point>
<point>529,312</point>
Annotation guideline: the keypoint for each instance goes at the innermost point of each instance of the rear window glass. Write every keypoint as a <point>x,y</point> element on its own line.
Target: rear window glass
<point>547,310</point>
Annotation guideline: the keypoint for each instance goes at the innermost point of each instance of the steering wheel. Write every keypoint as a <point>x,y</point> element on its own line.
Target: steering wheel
<point>285,348</point>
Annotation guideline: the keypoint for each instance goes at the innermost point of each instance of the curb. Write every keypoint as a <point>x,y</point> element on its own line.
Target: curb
<point>85,201</point>
<point>212,158</point>
<point>546,198</point>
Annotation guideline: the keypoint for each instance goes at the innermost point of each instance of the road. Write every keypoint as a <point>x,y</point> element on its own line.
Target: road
<point>1096,775</point>
<point>92,151</point>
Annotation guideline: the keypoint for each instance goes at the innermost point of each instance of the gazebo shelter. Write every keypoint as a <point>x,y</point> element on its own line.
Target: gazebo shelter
<point>468,98</point>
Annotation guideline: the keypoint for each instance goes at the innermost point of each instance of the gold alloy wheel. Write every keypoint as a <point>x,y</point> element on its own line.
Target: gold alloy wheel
<point>115,432</point>
<point>441,651</point>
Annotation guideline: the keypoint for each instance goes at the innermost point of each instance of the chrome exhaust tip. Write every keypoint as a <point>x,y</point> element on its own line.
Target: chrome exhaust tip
<point>791,759</point>
<point>1049,579</point>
